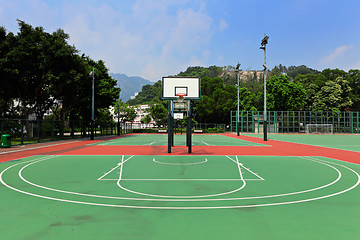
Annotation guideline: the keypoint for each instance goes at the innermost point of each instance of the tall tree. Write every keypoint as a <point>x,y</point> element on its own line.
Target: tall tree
<point>284,95</point>
<point>312,84</point>
<point>7,75</point>
<point>334,96</point>
<point>159,112</point>
<point>43,71</point>
<point>28,60</point>
<point>354,82</point>
<point>216,102</point>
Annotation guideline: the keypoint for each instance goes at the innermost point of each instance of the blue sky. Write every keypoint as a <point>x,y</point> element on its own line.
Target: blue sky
<point>156,38</point>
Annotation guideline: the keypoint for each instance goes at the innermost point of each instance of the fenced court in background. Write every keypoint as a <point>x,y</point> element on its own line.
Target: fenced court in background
<point>129,187</point>
<point>295,121</point>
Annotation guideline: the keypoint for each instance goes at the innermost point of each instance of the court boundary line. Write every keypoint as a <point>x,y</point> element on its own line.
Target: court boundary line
<point>174,208</point>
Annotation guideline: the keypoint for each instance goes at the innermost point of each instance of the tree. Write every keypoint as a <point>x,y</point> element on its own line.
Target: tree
<point>312,84</point>
<point>354,82</point>
<point>42,71</point>
<point>28,60</point>
<point>283,95</point>
<point>212,71</point>
<point>333,96</point>
<point>277,70</point>
<point>129,114</point>
<point>159,113</point>
<point>294,71</point>
<point>148,94</point>
<point>146,119</point>
<point>246,99</point>
<point>216,102</point>
<point>253,83</point>
<point>7,75</point>
<point>333,74</point>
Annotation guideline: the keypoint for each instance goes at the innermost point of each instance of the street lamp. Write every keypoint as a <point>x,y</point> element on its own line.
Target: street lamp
<point>238,94</point>
<point>264,41</point>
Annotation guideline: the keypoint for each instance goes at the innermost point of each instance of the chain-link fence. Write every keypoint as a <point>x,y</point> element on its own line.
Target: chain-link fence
<point>294,121</point>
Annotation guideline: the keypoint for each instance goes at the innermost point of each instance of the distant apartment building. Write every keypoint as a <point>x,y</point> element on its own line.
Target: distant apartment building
<point>141,112</point>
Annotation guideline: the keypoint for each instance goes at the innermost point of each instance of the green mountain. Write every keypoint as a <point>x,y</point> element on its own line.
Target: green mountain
<point>129,85</point>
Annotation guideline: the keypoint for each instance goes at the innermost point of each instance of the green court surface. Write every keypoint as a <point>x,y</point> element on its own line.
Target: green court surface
<point>344,142</point>
<point>179,139</point>
<point>179,197</point>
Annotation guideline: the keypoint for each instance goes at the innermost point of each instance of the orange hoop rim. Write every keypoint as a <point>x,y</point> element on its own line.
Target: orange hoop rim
<point>181,95</point>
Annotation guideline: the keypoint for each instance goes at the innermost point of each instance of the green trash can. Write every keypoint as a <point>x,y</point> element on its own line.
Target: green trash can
<point>5,141</point>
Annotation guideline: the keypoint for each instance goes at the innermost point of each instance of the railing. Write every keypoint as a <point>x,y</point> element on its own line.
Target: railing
<point>25,131</point>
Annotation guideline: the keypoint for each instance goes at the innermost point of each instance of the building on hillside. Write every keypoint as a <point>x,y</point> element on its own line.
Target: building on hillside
<point>246,75</point>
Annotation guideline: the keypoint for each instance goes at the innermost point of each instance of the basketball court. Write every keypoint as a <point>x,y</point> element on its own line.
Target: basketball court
<point>130,187</point>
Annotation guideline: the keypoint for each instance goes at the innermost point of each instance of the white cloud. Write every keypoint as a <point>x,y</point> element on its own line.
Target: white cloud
<point>223,25</point>
<point>336,55</point>
<point>144,37</point>
<point>191,32</point>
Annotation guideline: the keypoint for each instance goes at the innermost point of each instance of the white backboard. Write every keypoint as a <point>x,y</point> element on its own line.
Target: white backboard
<point>178,115</point>
<point>174,85</point>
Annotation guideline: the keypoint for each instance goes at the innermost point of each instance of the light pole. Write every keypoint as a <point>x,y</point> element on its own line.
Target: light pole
<point>238,96</point>
<point>119,114</point>
<point>92,104</point>
<point>264,41</point>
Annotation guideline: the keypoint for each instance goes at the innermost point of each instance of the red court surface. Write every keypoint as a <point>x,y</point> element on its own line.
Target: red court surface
<point>273,148</point>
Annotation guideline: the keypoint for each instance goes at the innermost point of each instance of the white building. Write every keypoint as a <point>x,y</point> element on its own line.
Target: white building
<point>141,112</point>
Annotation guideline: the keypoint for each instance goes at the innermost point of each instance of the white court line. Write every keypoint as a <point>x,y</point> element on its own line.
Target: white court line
<point>179,164</point>
<point>122,159</point>
<point>121,169</point>
<point>241,176</point>
<point>231,159</point>
<point>179,179</point>
<point>183,197</point>
<point>244,167</point>
<point>118,165</point>
<point>218,207</point>
<point>215,199</point>
<point>152,143</point>
<point>249,169</point>
<point>207,143</point>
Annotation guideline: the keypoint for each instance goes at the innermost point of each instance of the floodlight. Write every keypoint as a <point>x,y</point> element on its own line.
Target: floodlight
<point>264,41</point>
<point>238,66</point>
